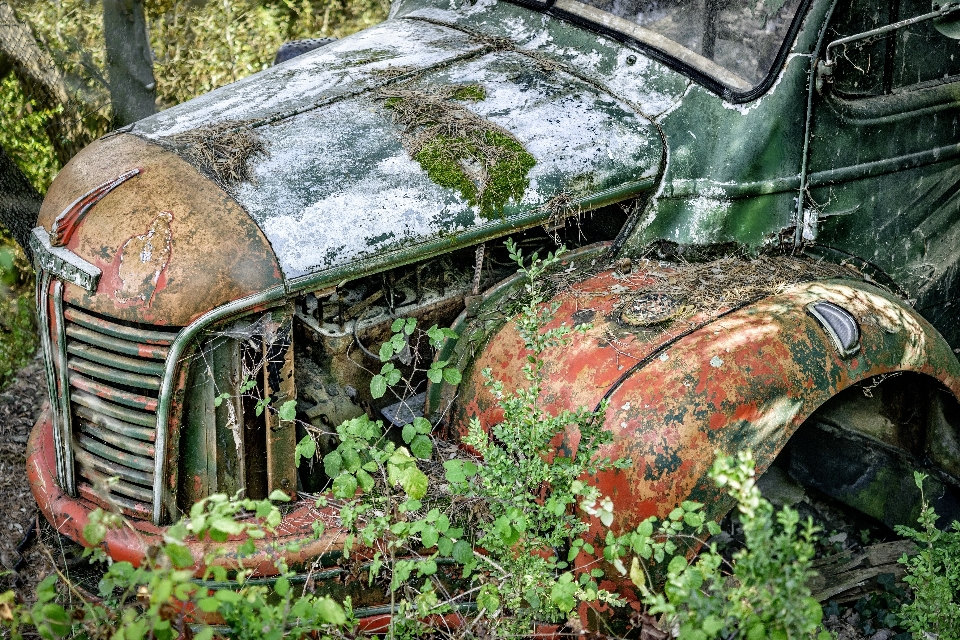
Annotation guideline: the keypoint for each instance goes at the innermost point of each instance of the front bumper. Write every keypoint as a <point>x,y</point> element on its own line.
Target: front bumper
<point>68,515</point>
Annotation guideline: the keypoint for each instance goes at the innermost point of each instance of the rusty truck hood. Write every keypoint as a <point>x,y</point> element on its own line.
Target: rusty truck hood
<point>338,194</point>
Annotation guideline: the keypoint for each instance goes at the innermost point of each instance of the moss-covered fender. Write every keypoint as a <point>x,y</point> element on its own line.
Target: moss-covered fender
<point>743,377</point>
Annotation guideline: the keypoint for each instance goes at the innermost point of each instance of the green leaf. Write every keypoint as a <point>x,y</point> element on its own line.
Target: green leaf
<point>386,351</point>
<point>421,447</point>
<point>281,586</point>
<point>410,326</point>
<point>428,567</point>
<point>422,425</point>
<point>757,632</point>
<point>306,448</point>
<point>288,410</point>
<point>229,596</point>
<point>414,482</point>
<point>637,576</point>
<point>397,325</point>
<point>278,496</point>
<point>332,464</point>
<point>351,459</point>
<point>429,536</point>
<point>435,335</point>
<point>227,525</point>
<point>434,375</point>
<point>394,377</point>
<point>365,480</point>
<point>208,605</point>
<point>179,555</point>
<point>408,432</point>
<point>693,519</point>
<point>452,375</point>
<point>677,565</point>
<point>444,546</point>
<point>462,552</point>
<point>488,598</point>
<point>712,625</point>
<point>204,634</point>
<point>562,593</point>
<point>54,621</point>
<point>378,386</point>
<point>94,532</point>
<point>344,486</point>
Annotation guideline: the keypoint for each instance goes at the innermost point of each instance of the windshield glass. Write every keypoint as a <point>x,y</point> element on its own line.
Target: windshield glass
<point>733,41</point>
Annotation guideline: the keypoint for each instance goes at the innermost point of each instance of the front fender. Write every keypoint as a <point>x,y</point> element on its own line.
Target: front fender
<point>742,378</point>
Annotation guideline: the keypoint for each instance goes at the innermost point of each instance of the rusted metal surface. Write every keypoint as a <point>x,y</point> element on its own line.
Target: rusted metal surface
<point>66,223</point>
<point>734,379</point>
<point>113,431</point>
<point>280,387</point>
<point>69,515</point>
<point>107,392</point>
<point>123,332</point>
<point>171,245</point>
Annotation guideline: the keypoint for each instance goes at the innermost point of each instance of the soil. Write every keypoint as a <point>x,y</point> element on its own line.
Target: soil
<point>19,407</point>
<point>22,526</point>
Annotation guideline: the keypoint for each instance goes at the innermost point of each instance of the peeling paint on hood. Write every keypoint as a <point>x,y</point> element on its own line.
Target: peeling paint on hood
<point>338,186</point>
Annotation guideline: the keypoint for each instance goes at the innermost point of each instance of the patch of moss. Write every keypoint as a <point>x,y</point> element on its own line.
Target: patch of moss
<point>460,150</point>
<point>488,169</point>
<point>470,92</point>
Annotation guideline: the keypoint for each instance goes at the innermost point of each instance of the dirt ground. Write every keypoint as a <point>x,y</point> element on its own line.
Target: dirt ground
<point>19,406</point>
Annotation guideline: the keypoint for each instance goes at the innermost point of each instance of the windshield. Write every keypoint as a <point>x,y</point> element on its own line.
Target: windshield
<point>733,41</point>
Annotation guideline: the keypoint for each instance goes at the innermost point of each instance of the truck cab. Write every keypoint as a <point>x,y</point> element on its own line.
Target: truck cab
<point>201,268</point>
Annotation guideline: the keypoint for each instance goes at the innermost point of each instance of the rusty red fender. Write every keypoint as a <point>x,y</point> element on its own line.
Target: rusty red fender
<point>743,377</point>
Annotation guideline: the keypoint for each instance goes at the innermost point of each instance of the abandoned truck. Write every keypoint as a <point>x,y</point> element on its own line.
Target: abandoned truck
<point>761,197</point>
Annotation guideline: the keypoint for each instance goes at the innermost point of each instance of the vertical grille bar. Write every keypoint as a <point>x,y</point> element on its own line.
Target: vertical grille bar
<point>51,361</point>
<point>65,426</point>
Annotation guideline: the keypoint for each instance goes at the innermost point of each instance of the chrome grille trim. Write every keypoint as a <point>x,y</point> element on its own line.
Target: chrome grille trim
<point>51,362</point>
<point>113,375</point>
<point>63,399</point>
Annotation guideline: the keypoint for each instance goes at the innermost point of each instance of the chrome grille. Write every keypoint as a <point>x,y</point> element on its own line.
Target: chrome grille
<point>114,372</point>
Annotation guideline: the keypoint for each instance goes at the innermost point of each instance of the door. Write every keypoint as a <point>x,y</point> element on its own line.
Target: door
<point>883,180</point>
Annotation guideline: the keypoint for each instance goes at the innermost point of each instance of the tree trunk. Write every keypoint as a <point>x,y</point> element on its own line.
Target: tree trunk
<point>19,202</point>
<point>133,89</point>
<point>42,81</point>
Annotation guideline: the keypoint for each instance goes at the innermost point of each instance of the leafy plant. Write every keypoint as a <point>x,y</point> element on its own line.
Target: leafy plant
<point>18,335</point>
<point>160,599</point>
<point>933,573</point>
<point>764,593</point>
<point>529,486</point>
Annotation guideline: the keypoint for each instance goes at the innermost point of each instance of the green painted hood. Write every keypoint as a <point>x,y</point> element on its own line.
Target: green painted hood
<point>338,190</point>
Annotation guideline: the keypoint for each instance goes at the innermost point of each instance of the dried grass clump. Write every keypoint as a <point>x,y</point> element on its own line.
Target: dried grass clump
<point>223,151</point>
<point>457,148</point>
<point>391,72</point>
<point>730,281</point>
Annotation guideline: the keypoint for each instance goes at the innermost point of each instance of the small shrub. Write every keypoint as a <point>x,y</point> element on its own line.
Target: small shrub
<point>933,574</point>
<point>764,593</point>
<point>18,325</point>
